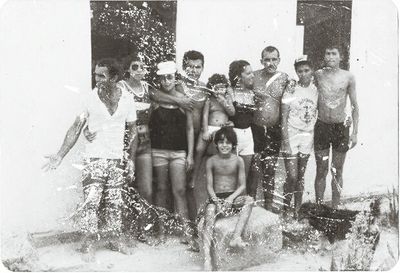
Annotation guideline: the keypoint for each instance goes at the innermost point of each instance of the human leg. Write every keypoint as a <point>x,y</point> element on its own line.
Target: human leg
<point>93,180</point>
<point>161,178</point>
<point>299,187</point>
<point>144,176</point>
<point>291,166</point>
<point>247,203</point>
<point>200,149</point>
<point>208,235</point>
<point>338,159</point>
<point>113,207</point>
<point>177,173</point>
<point>322,161</point>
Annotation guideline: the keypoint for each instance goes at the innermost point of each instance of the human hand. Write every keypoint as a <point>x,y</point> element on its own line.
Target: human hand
<point>53,162</point>
<point>291,84</point>
<point>228,202</point>
<point>206,136</point>
<point>353,140</point>
<point>89,135</point>
<point>348,121</point>
<point>229,123</point>
<point>189,163</point>
<point>186,103</point>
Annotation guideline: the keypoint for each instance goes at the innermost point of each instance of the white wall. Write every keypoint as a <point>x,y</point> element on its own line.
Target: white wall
<point>228,30</point>
<point>45,64</point>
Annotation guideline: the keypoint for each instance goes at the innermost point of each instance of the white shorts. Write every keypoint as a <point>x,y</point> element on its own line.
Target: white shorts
<point>212,129</point>
<point>300,141</point>
<point>245,141</point>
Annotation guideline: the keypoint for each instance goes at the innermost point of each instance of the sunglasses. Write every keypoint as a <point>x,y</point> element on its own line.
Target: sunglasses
<point>135,67</point>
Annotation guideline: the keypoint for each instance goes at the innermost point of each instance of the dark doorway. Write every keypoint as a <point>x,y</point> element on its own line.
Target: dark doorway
<point>325,22</point>
<point>123,29</point>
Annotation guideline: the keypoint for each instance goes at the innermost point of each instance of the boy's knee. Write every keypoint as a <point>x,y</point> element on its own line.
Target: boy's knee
<point>210,210</point>
<point>248,200</point>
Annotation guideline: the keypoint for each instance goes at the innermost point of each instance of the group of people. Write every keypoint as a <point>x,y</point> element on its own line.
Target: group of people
<point>154,138</point>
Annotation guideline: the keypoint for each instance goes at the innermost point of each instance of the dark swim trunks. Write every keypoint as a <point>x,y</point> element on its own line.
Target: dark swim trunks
<point>267,140</point>
<point>326,134</point>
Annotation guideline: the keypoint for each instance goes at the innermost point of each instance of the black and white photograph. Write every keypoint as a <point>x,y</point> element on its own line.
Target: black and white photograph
<point>199,135</point>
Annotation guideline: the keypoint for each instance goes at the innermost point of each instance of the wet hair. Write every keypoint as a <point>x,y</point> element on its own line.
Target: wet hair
<point>228,133</point>
<point>217,79</point>
<point>296,65</point>
<point>236,68</point>
<point>270,49</point>
<point>192,55</point>
<point>113,67</point>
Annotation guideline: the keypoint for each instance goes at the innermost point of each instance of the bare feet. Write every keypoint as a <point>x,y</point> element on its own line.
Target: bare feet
<point>238,243</point>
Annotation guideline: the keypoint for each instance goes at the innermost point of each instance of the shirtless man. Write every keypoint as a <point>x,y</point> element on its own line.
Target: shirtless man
<point>269,85</point>
<point>226,183</point>
<point>334,85</point>
<point>193,65</point>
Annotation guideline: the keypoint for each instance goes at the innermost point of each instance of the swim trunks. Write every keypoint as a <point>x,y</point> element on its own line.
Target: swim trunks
<point>335,134</point>
<point>267,140</point>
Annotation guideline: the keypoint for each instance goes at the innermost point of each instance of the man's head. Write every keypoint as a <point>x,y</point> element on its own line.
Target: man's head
<point>303,69</point>
<point>333,55</point>
<point>106,71</point>
<point>240,72</point>
<point>226,140</point>
<point>166,75</point>
<point>218,83</point>
<point>270,58</point>
<point>193,64</point>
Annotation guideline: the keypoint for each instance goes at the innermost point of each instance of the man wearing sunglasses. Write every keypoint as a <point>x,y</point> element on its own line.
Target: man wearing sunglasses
<point>110,112</point>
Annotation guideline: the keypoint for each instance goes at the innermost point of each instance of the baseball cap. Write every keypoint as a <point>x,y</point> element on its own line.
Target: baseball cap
<point>302,59</point>
<point>164,68</point>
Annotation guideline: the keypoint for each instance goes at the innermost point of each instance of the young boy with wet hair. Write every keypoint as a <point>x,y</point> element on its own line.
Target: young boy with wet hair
<point>226,184</point>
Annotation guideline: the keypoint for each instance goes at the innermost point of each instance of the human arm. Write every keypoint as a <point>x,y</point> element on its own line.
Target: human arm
<point>131,148</point>
<point>354,110</point>
<point>210,180</point>
<point>241,182</point>
<point>205,135</point>
<point>190,140</point>
<point>285,108</point>
<point>227,102</point>
<point>90,136</point>
<point>69,141</point>
<point>181,101</point>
